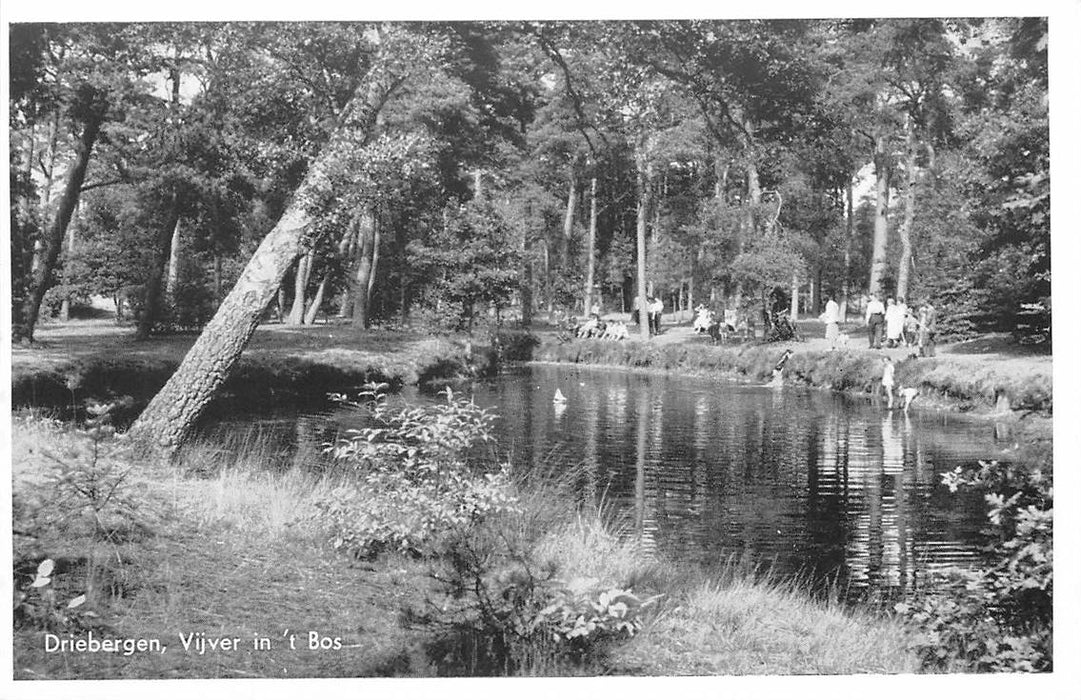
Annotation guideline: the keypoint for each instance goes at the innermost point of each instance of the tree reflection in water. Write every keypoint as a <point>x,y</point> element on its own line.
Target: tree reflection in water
<point>809,483</point>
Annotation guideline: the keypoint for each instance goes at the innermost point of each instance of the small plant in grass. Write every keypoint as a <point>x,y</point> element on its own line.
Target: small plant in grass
<point>38,605</point>
<point>90,478</point>
<point>997,618</point>
<point>415,481</point>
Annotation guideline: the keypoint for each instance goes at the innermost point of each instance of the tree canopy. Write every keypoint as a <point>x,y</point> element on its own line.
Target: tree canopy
<point>483,170</point>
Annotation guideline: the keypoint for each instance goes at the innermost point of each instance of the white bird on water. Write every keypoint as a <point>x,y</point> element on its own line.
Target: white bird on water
<point>559,397</point>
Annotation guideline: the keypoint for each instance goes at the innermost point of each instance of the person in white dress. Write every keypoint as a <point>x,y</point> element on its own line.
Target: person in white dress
<point>895,322</point>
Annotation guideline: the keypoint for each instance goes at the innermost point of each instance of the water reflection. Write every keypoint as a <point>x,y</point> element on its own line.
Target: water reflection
<point>830,488</point>
<point>811,483</point>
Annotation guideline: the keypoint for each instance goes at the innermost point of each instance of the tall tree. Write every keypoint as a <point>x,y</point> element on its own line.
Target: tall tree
<point>95,70</point>
<point>172,413</point>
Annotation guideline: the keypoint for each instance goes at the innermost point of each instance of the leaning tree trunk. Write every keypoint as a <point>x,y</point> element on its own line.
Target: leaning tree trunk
<point>882,193</point>
<point>905,231</point>
<point>568,225</point>
<point>172,413</point>
<point>65,305</point>
<point>317,301</point>
<point>41,279</point>
<point>48,167</point>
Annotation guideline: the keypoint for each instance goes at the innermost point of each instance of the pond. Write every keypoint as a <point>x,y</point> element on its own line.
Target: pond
<point>812,484</point>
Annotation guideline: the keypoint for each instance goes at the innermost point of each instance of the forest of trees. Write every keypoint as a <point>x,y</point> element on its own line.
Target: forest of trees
<point>480,165</point>
<point>445,172</point>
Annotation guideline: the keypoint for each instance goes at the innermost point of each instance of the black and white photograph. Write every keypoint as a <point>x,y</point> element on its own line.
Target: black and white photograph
<point>402,351</point>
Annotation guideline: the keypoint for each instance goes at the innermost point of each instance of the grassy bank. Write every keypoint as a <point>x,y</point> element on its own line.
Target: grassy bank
<point>953,381</point>
<point>218,544</point>
<point>281,365</point>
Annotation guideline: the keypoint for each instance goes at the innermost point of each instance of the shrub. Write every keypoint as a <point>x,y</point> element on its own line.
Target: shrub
<point>997,618</point>
<point>524,603</point>
<point>514,345</point>
<point>416,485</point>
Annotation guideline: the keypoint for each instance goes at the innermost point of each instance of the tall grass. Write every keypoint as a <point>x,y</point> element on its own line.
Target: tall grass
<point>748,627</point>
<point>247,484</point>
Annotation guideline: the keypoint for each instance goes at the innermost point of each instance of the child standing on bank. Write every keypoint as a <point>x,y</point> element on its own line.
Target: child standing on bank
<point>887,381</point>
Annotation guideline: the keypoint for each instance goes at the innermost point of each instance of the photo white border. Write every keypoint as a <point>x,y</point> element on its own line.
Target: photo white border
<point>1065,91</point>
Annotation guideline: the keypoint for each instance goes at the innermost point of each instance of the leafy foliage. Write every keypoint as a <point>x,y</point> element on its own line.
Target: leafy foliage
<point>469,261</point>
<point>997,618</point>
<point>416,485</point>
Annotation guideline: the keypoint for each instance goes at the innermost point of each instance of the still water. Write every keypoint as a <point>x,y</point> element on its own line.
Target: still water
<point>822,486</point>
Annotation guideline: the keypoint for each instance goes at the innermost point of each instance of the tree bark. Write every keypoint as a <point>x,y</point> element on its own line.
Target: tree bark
<point>377,238</point>
<point>793,305</point>
<point>591,245</point>
<point>347,248</point>
<point>317,301</point>
<point>300,289</point>
<point>172,413</point>
<point>49,165</point>
<point>361,282</point>
<point>173,275</point>
<point>26,204</point>
<point>162,252</point>
<point>65,305</point>
<point>849,226</point>
<point>163,249</point>
<point>642,211</point>
<point>881,235</point>
<point>905,231</point>
<point>281,303</point>
<point>568,224</point>
<point>218,284</point>
<point>23,327</point>
<point>525,283</point>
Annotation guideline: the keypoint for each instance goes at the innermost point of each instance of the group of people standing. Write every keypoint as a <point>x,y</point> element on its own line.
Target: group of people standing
<point>897,325</point>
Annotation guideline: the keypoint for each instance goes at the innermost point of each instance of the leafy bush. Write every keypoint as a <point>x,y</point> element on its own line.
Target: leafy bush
<point>997,618</point>
<point>192,306</point>
<point>514,345</point>
<point>520,611</point>
<point>416,484</point>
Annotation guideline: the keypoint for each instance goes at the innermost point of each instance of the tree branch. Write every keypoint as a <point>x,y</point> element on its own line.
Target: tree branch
<point>106,183</point>
<point>576,99</point>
